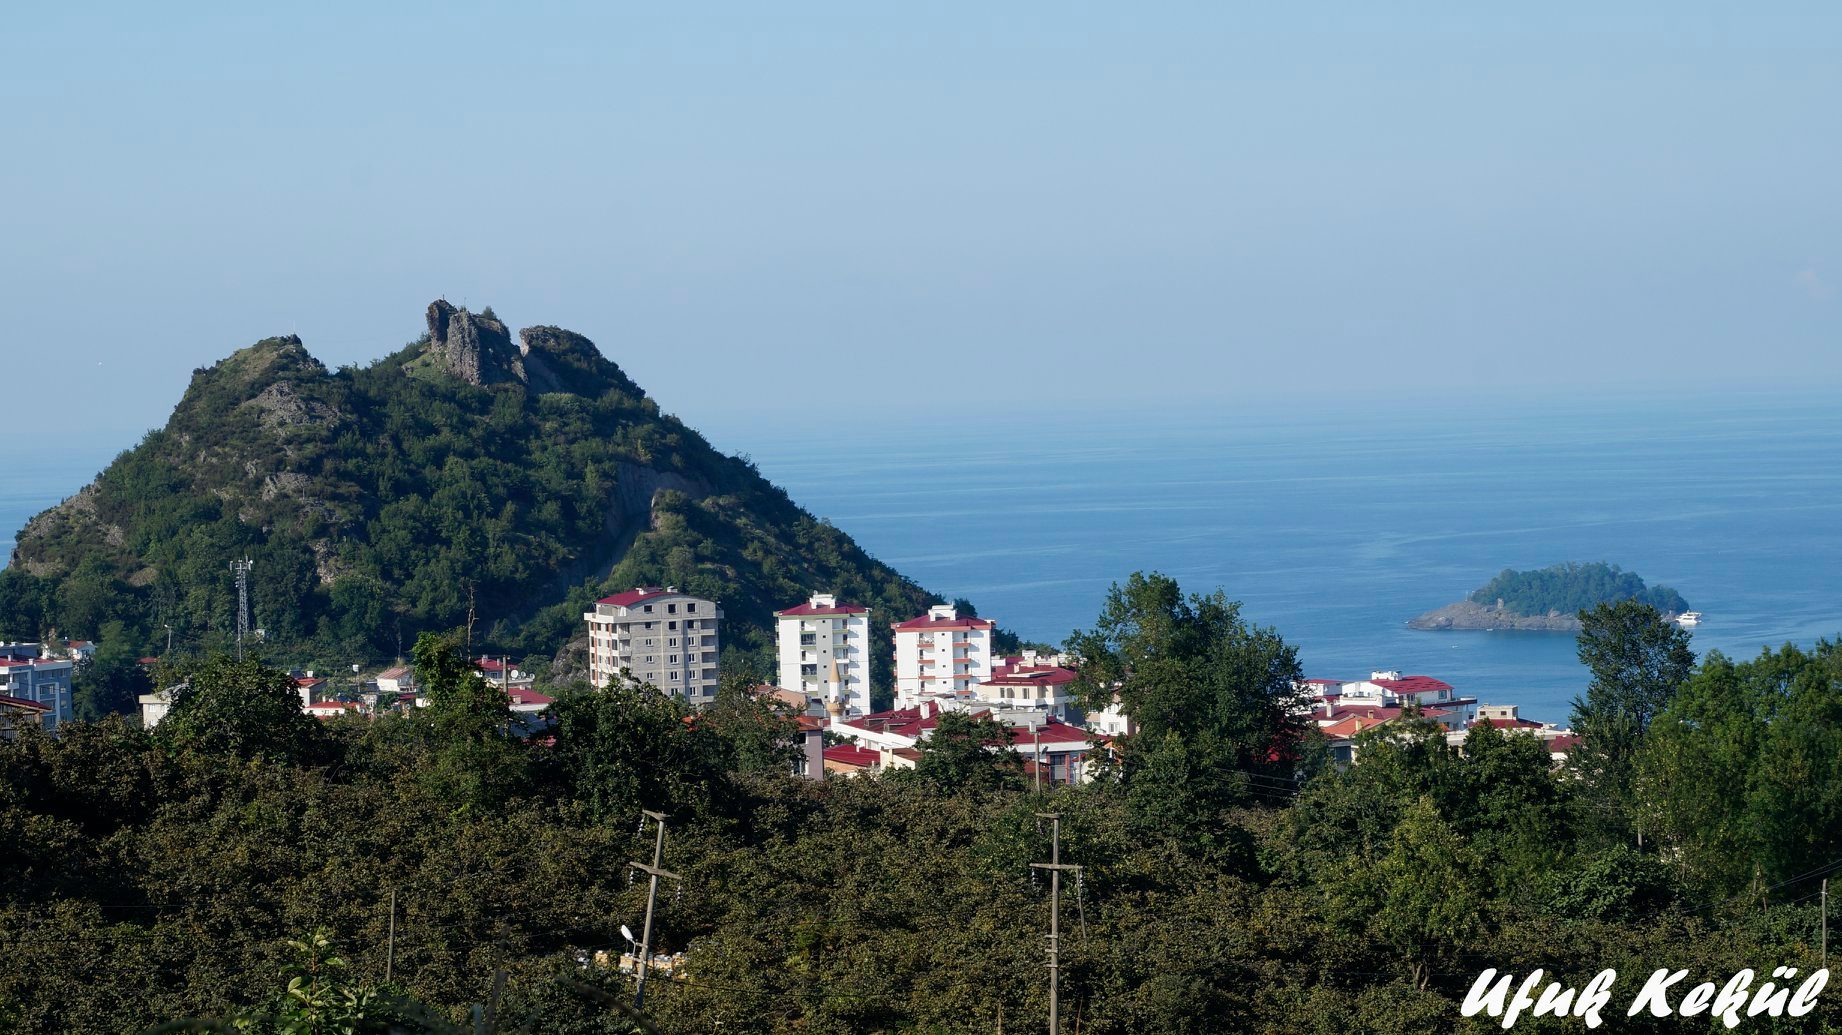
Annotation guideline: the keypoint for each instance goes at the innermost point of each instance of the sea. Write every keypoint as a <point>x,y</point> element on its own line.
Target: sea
<point>1332,523</point>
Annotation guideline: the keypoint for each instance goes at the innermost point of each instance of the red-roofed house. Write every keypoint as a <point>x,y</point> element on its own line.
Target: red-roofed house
<point>1062,749</point>
<point>1508,718</point>
<point>851,760</point>
<point>329,709</point>
<point>824,651</point>
<point>660,636</point>
<point>16,713</point>
<point>940,653</point>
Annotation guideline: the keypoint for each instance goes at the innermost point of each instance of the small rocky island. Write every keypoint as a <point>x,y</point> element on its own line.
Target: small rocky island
<point>1547,599</point>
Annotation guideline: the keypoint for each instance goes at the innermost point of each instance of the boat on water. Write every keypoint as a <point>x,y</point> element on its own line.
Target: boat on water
<point>1688,618</point>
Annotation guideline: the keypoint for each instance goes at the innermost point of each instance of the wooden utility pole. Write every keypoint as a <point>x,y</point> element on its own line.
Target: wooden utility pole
<point>1823,907</point>
<point>652,898</point>
<point>1055,866</point>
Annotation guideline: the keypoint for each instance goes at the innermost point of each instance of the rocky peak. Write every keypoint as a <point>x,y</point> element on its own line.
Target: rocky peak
<point>475,347</point>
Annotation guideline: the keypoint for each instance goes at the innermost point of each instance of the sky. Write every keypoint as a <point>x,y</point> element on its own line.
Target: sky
<point>931,210</point>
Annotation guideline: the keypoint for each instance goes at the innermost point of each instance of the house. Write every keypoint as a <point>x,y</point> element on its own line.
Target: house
<point>17,713</point>
<point>940,653</point>
<point>659,635</point>
<point>332,709</point>
<point>80,651</point>
<point>27,674</point>
<point>308,686</point>
<point>154,706</point>
<point>811,761</point>
<point>393,683</point>
<point>502,673</point>
<point>851,760</point>
<point>1332,699</point>
<point>526,701</point>
<point>824,649</point>
<point>1508,718</point>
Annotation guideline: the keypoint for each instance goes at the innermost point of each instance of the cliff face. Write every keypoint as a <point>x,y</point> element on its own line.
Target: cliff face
<point>465,471</point>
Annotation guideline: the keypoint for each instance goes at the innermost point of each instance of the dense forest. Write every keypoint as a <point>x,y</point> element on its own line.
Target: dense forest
<point>464,476</point>
<point>1571,588</point>
<point>239,863</point>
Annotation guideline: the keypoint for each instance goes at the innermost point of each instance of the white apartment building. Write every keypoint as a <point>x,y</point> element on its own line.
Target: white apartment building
<point>660,636</point>
<point>940,653</point>
<point>817,635</point>
<point>27,675</point>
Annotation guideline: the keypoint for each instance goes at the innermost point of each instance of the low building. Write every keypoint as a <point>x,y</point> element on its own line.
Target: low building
<point>659,636</point>
<point>393,683</point>
<point>1508,719</point>
<point>1029,683</point>
<point>895,737</point>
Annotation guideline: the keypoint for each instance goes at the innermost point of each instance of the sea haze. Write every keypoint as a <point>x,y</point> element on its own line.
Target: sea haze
<point>1334,526</point>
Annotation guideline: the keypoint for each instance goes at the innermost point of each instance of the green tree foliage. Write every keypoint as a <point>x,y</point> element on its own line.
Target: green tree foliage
<point>1213,698</point>
<point>111,682</point>
<point>147,877</point>
<point>1741,777</point>
<point>222,706</point>
<point>969,754</point>
<point>1573,587</point>
<point>1637,662</point>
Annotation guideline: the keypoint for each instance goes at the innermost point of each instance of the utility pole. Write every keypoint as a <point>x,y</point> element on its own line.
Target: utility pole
<point>1824,908</point>
<point>390,953</point>
<point>1055,866</point>
<point>652,898</point>
<point>169,641</point>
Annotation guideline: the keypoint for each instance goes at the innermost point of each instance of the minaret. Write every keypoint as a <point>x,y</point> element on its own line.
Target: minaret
<point>834,695</point>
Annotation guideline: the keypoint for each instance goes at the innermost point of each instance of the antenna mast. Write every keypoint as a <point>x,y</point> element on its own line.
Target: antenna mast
<point>242,568</point>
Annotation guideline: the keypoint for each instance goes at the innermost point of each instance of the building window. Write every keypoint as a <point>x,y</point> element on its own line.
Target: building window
<point>671,625</point>
<point>674,677</point>
<point>649,609</point>
<point>691,608</point>
<point>673,660</point>
<point>671,609</point>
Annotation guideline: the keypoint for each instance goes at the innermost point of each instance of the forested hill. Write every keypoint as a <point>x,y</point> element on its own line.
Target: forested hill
<point>1570,588</point>
<point>519,479</point>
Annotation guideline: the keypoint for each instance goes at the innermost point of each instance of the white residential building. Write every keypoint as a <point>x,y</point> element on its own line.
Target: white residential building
<point>940,653</point>
<point>1029,683</point>
<point>817,635</point>
<point>660,636</point>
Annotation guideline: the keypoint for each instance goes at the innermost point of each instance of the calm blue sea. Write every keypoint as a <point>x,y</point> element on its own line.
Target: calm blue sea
<point>1333,525</point>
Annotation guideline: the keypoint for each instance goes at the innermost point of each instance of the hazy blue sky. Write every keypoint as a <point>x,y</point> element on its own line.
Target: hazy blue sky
<point>760,207</point>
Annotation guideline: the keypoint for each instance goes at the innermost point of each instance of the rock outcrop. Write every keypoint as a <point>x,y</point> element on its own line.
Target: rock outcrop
<point>475,347</point>
<point>1471,616</point>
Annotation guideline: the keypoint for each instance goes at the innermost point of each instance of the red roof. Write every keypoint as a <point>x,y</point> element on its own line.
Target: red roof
<point>1414,685</point>
<point>807,610</point>
<point>8,701</point>
<point>486,664</point>
<point>393,673</point>
<point>307,682</point>
<point>1051,733</point>
<point>1563,744</point>
<point>1353,725</point>
<point>520,696</point>
<point>851,755</point>
<point>634,596</point>
<point>925,623</point>
<point>1041,675</point>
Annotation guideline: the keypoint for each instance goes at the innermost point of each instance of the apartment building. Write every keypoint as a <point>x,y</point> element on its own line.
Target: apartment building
<point>940,653</point>
<point>661,636</point>
<point>27,674</point>
<point>820,638</point>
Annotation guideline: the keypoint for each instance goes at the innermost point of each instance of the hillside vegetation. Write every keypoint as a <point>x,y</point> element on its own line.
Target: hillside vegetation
<point>464,472</point>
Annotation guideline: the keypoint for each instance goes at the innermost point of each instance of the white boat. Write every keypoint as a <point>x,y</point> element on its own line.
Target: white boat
<point>1688,618</point>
